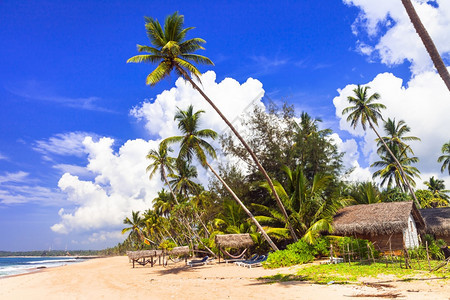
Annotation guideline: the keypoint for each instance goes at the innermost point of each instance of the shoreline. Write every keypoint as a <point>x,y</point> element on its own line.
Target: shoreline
<point>114,278</point>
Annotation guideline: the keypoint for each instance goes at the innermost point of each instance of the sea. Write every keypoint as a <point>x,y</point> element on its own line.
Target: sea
<point>21,265</point>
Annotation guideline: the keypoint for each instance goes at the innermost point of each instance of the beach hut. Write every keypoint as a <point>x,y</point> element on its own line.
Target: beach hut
<point>438,222</point>
<point>237,241</point>
<point>389,226</point>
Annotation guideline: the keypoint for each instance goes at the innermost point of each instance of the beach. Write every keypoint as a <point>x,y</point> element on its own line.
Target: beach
<point>114,278</point>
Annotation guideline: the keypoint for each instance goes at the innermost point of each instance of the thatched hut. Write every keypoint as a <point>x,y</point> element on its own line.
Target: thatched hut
<point>237,241</point>
<point>438,222</point>
<point>389,226</point>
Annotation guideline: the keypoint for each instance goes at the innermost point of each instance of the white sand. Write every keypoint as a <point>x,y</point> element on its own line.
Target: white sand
<point>114,278</point>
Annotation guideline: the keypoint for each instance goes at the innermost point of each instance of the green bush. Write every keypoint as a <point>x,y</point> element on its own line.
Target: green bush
<point>297,253</point>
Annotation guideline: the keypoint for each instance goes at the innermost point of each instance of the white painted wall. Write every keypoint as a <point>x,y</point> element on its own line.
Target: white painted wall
<point>410,235</point>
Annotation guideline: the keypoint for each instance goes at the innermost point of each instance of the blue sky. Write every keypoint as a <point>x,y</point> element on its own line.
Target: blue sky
<point>64,78</point>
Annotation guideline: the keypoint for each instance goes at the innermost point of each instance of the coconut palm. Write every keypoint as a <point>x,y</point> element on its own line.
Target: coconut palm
<point>364,110</point>
<point>136,224</point>
<point>365,193</point>
<point>396,138</point>
<point>161,161</point>
<point>172,52</point>
<point>428,42</point>
<point>390,171</point>
<point>192,144</point>
<point>445,158</point>
<point>311,208</point>
<point>182,181</point>
<point>437,187</point>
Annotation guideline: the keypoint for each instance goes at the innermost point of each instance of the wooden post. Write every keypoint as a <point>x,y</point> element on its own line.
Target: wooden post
<point>428,255</point>
<point>348,249</point>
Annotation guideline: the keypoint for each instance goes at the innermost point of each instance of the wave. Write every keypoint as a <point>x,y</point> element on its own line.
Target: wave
<point>52,261</point>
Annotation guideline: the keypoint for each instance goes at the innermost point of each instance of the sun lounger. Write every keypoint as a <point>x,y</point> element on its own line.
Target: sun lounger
<point>200,262</point>
<point>243,261</point>
<point>256,263</point>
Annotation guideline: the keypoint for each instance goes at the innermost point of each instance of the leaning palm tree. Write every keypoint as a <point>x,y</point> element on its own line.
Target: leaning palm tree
<point>365,110</point>
<point>172,52</point>
<point>192,144</point>
<point>445,157</point>
<point>427,42</point>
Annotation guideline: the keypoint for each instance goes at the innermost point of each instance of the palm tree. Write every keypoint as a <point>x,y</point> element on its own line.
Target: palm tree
<point>192,144</point>
<point>172,52</point>
<point>396,136</point>
<point>445,158</point>
<point>390,172</point>
<point>437,187</point>
<point>311,208</point>
<point>365,193</point>
<point>162,161</point>
<point>136,224</point>
<point>182,181</point>
<point>428,42</point>
<point>365,110</point>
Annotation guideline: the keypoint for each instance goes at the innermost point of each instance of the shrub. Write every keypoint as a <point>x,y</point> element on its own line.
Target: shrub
<point>297,253</point>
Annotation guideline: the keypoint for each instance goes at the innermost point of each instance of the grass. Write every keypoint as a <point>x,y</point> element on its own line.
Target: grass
<point>344,273</point>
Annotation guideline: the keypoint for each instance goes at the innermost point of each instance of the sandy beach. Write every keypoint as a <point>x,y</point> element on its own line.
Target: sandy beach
<point>114,278</point>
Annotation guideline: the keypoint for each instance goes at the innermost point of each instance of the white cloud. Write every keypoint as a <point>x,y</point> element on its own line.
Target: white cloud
<point>392,36</point>
<point>121,183</point>
<point>3,157</point>
<point>350,159</point>
<point>423,105</point>
<point>63,144</point>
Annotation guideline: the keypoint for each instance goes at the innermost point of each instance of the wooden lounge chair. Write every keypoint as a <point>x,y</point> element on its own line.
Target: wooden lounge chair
<point>200,262</point>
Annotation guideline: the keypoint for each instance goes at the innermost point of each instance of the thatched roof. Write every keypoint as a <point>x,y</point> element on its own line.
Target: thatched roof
<point>234,240</point>
<point>183,250</point>
<point>437,220</point>
<point>376,219</point>
<point>143,253</point>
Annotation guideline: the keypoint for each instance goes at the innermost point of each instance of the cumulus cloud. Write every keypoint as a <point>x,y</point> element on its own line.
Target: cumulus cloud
<point>121,183</point>
<point>391,36</point>
<point>424,105</point>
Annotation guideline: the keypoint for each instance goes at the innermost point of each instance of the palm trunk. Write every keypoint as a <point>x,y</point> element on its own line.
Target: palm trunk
<point>428,42</point>
<point>250,151</point>
<point>405,179</point>
<point>185,222</point>
<point>266,237</point>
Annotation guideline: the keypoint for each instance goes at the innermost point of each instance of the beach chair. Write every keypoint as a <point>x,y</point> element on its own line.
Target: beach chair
<point>256,263</point>
<point>200,262</point>
<point>243,261</point>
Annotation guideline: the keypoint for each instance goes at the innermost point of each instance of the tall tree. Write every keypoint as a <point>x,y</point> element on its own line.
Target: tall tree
<point>396,142</point>
<point>445,157</point>
<point>161,161</point>
<point>192,144</point>
<point>173,52</point>
<point>136,224</point>
<point>428,42</point>
<point>364,110</point>
<point>437,187</point>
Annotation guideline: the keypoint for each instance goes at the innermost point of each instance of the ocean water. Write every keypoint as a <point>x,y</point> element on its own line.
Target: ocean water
<point>21,265</point>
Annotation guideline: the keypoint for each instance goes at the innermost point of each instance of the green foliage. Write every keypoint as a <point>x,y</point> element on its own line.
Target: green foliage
<point>434,249</point>
<point>167,245</point>
<point>359,248</point>
<point>395,195</point>
<point>300,252</point>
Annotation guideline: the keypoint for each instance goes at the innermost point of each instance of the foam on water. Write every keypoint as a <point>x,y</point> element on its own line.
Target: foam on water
<point>21,265</point>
